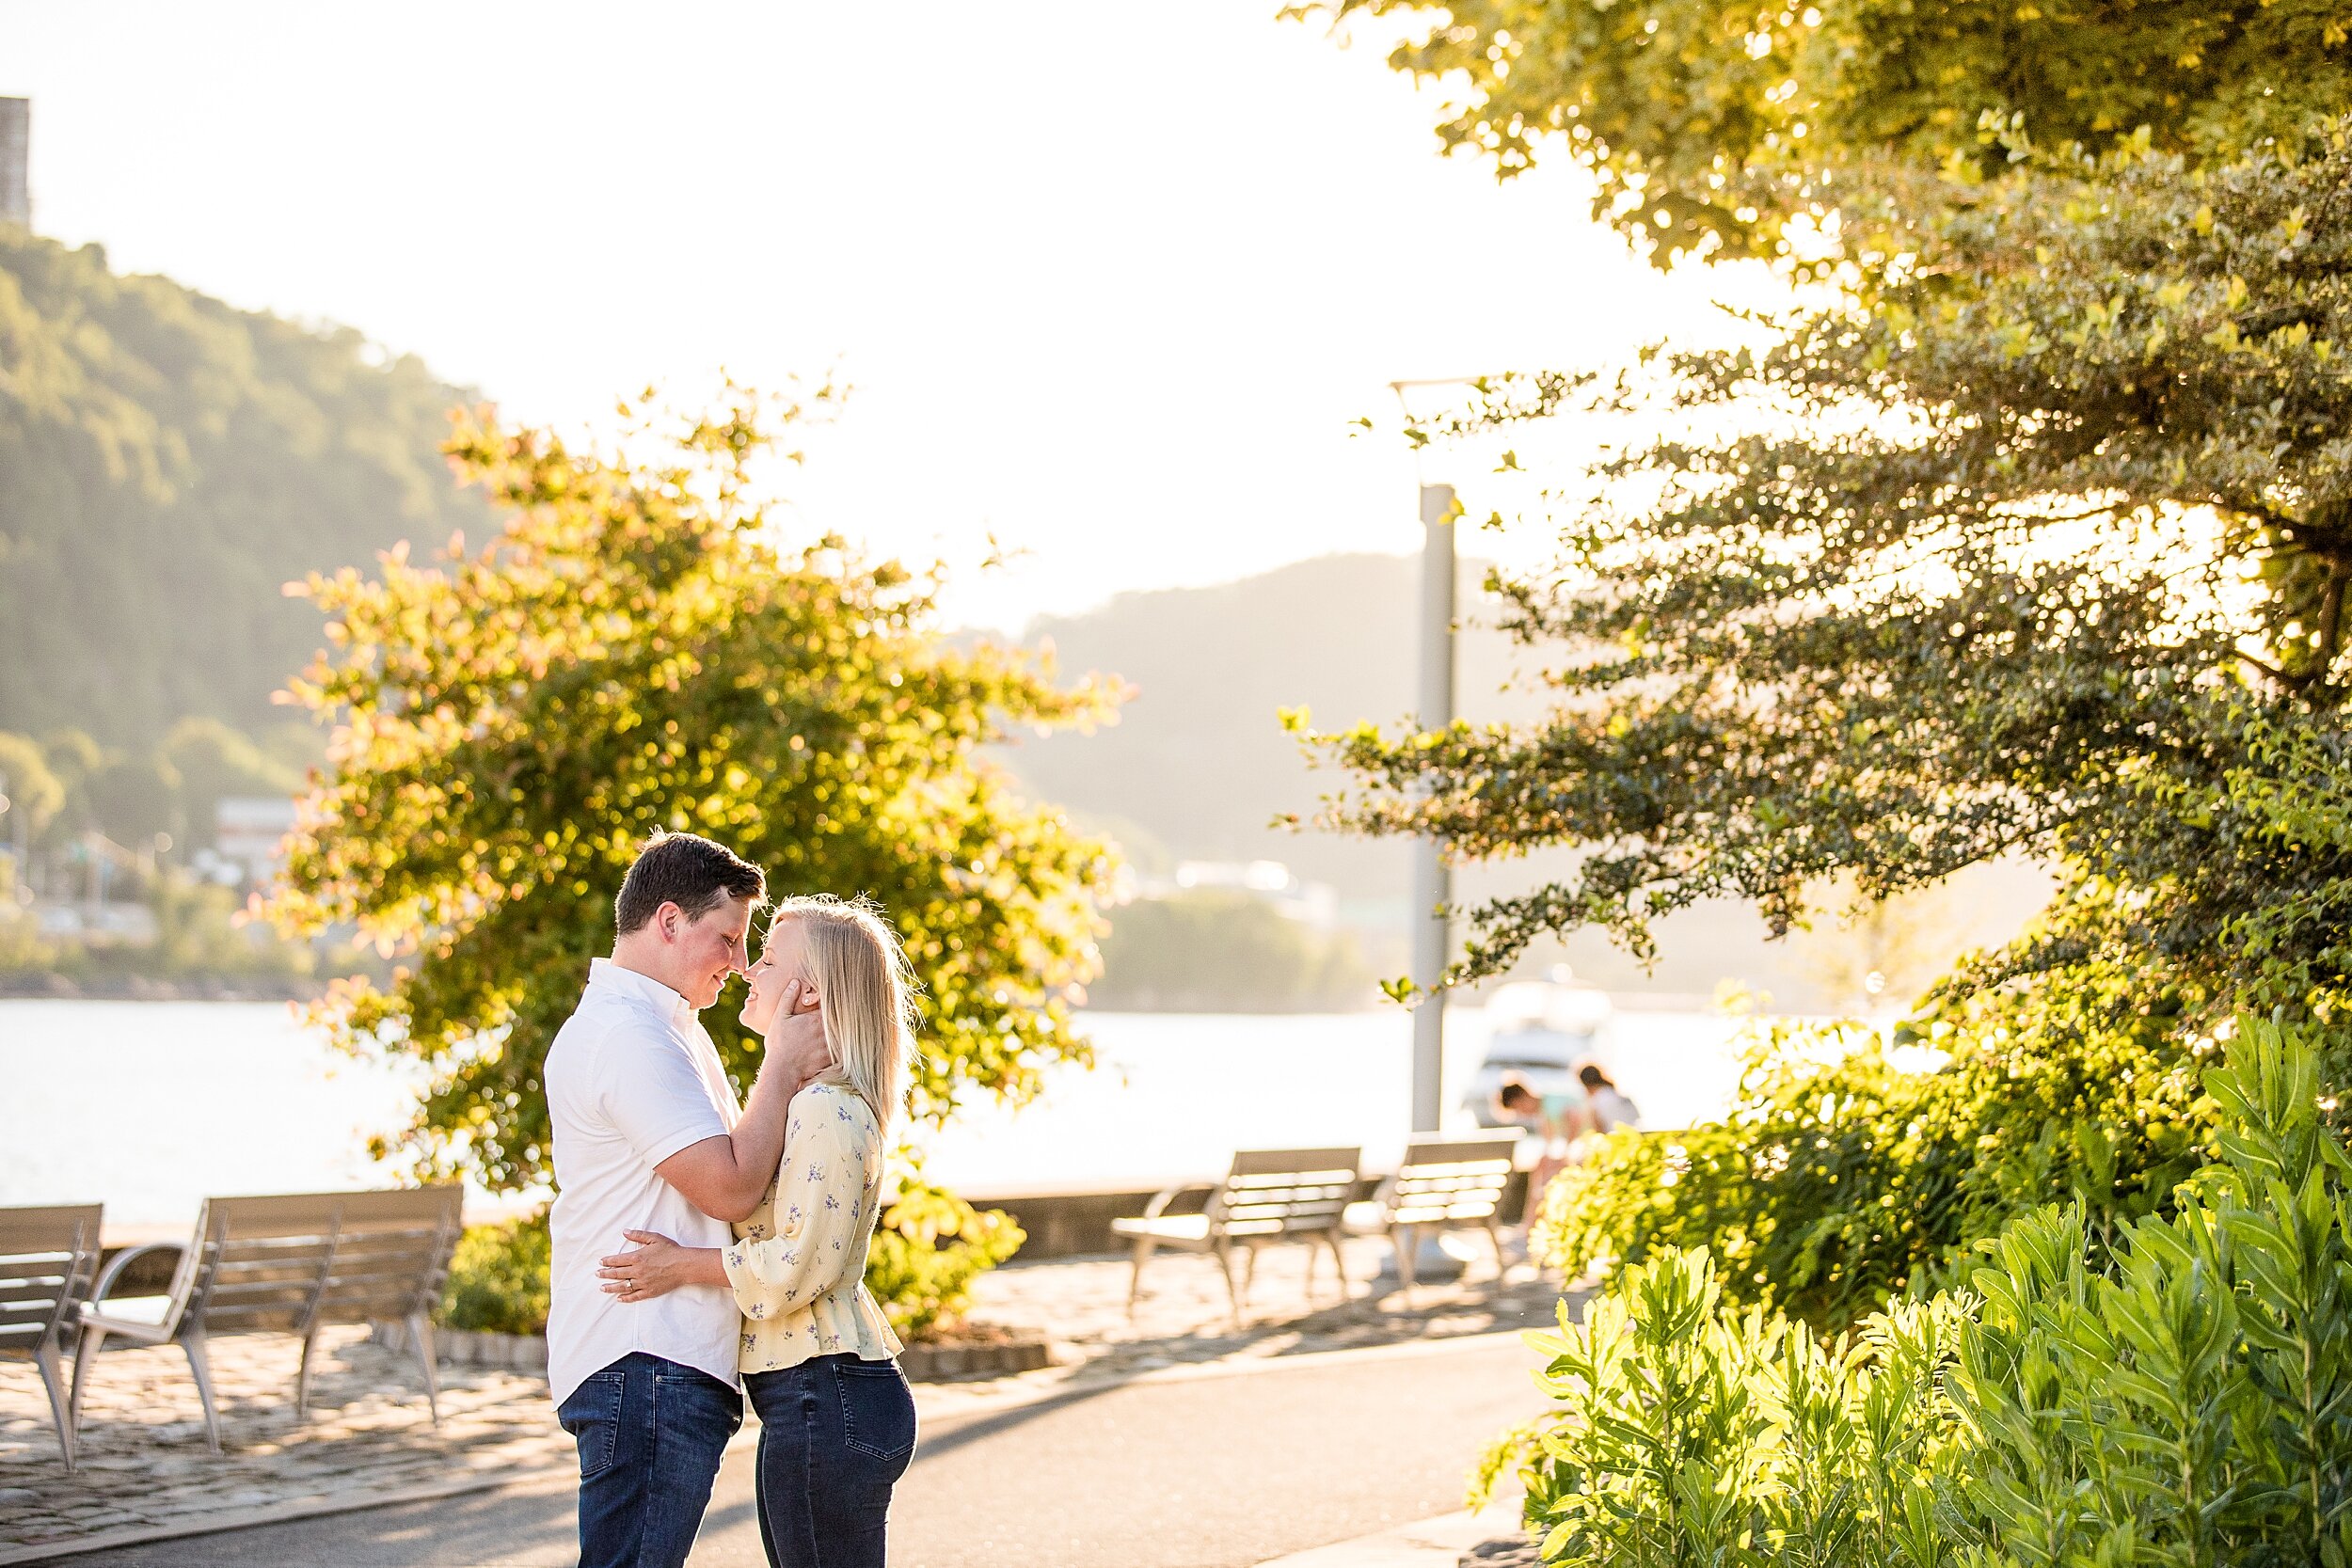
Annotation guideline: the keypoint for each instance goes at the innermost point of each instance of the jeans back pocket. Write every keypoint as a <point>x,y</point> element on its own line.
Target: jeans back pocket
<point>876,1408</point>
<point>592,1414</point>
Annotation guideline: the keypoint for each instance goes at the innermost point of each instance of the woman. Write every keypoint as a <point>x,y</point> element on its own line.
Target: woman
<point>1611,1107</point>
<point>837,1418</point>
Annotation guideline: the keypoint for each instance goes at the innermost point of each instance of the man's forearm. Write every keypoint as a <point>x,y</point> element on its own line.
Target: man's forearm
<point>758,1140</point>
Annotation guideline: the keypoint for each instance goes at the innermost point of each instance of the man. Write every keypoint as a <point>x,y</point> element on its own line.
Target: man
<point>648,1137</point>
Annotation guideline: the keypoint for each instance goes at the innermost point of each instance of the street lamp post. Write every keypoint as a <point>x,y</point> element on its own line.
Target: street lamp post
<point>1432,885</point>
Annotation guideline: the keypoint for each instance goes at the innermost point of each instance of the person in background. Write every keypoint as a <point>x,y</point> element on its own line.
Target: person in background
<point>1559,1118</point>
<point>1608,1107</point>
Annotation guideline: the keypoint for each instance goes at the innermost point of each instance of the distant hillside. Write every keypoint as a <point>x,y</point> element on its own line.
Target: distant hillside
<point>167,463</point>
<point>1198,757</point>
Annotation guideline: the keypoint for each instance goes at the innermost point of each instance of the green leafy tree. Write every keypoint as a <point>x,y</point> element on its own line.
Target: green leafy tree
<point>2029,535</point>
<point>2006,616</point>
<point>1715,127</point>
<point>639,649</point>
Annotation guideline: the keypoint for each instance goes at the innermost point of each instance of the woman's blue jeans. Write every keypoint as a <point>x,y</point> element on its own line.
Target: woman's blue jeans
<point>836,1433</point>
<point>651,1433</point>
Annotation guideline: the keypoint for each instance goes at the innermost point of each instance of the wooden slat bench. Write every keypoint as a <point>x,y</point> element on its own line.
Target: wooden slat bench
<point>1270,1194</point>
<point>1446,1182</point>
<point>288,1264</point>
<point>48,1258</point>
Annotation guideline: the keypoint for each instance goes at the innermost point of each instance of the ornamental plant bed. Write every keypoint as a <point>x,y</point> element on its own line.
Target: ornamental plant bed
<point>460,1347</point>
<point>965,1350</point>
<point>974,1350</point>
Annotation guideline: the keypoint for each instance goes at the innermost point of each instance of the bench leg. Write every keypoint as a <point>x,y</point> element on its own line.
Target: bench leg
<point>420,1336</point>
<point>1224,1250</point>
<point>1248,1270</point>
<point>1339,1261</point>
<point>83,1354</point>
<point>1144,1248</point>
<point>302,1377</point>
<point>60,1402</point>
<point>1494,1235</point>
<point>1404,1240</point>
<point>201,1368</point>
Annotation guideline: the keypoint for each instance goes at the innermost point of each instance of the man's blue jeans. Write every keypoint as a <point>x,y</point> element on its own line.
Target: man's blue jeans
<point>836,1433</point>
<point>651,1433</point>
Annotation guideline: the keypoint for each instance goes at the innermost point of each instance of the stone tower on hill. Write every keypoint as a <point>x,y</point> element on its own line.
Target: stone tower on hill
<point>16,137</point>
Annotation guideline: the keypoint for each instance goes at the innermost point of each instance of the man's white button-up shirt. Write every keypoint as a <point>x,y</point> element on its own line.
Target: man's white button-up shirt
<point>631,1079</point>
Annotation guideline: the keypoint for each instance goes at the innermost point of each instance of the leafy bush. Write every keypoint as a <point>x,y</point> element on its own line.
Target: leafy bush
<point>2191,1404</point>
<point>497,1279</point>
<point>1845,1175</point>
<point>1688,1432</point>
<point>2187,1403</point>
<point>928,1248</point>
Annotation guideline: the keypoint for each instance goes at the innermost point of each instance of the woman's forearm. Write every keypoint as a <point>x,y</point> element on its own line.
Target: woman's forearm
<point>705,1266</point>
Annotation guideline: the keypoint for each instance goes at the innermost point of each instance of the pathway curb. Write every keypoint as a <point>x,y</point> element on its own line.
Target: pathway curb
<point>1438,1543</point>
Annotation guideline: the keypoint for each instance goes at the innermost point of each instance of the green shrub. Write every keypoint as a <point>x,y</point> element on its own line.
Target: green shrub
<point>1688,1432</point>
<point>498,1278</point>
<point>928,1248</point>
<point>1845,1176</point>
<point>2187,1403</point>
<point>2192,1404</point>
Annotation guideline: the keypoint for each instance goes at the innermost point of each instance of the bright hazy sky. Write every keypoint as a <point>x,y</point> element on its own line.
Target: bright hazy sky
<point>1109,280</point>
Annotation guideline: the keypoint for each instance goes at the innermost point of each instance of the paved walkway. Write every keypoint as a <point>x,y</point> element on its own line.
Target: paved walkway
<point>145,1470</point>
<point>1218,1468</point>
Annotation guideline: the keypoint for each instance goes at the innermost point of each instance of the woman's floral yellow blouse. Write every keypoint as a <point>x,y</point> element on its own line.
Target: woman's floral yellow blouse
<point>798,1265</point>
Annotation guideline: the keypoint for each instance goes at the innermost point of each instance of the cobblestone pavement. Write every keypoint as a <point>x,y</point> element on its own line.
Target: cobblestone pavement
<point>145,1472</point>
<point>145,1467</point>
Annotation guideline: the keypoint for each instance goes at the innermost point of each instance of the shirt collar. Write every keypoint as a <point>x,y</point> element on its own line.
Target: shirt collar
<point>606,975</point>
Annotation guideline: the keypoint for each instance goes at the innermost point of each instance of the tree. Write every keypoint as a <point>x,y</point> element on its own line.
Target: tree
<point>2004,615</point>
<point>639,649</point>
<point>2031,537</point>
<point>1713,127</point>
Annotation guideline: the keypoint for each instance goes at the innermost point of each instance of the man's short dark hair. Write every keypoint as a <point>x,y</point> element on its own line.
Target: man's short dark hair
<point>689,871</point>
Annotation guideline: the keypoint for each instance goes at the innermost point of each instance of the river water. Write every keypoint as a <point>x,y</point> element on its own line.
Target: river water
<point>151,1106</point>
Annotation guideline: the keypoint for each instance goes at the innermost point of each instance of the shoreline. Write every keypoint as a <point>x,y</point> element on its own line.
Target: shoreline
<point>50,986</point>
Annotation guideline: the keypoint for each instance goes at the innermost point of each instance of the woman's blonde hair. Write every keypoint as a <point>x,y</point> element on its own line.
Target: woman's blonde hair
<point>866,989</point>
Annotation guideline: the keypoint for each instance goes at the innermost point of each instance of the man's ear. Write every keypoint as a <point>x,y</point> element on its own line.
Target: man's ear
<point>667,919</point>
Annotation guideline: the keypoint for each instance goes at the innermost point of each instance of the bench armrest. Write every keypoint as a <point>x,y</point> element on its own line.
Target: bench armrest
<point>122,1261</point>
<point>1166,1195</point>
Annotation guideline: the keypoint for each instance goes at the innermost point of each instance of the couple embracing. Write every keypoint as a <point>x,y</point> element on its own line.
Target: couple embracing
<point>705,1250</point>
